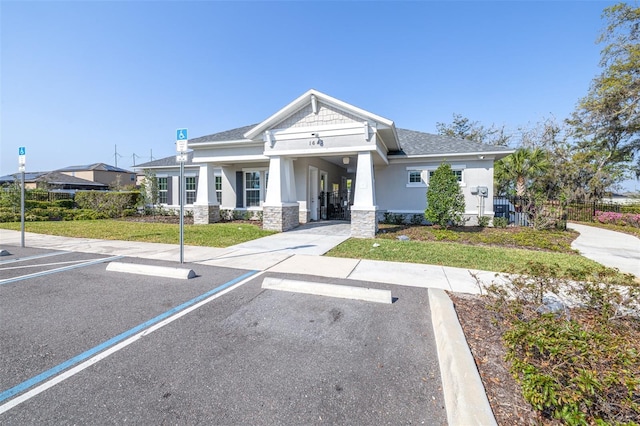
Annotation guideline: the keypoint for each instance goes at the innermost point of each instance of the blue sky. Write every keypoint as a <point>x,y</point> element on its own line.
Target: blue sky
<point>78,78</point>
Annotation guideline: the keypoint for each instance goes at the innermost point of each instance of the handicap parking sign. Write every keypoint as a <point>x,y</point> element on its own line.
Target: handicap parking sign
<point>181,135</point>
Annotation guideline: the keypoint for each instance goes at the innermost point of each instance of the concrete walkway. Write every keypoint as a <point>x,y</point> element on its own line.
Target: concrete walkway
<point>609,248</point>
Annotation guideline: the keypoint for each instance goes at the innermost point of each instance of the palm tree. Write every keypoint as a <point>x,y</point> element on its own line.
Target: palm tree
<point>521,167</point>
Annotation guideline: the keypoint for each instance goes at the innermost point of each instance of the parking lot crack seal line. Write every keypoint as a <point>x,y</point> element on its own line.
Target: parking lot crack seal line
<point>114,344</point>
<point>54,271</point>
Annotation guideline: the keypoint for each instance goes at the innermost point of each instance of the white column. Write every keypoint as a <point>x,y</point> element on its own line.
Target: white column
<point>281,189</point>
<point>364,196</point>
<point>206,186</point>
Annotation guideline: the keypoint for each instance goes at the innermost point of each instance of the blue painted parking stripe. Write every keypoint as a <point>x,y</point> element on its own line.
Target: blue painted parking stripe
<point>115,340</point>
<point>36,256</point>
<point>55,271</point>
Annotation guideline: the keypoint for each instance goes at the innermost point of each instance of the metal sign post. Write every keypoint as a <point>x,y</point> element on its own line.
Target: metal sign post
<point>22,160</point>
<point>181,148</point>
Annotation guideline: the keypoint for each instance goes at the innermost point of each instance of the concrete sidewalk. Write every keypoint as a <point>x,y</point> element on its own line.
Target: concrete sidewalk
<point>609,248</point>
<point>296,252</point>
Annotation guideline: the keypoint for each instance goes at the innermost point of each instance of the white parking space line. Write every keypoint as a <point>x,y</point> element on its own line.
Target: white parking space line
<point>37,256</point>
<point>86,359</point>
<point>39,265</point>
<point>63,269</point>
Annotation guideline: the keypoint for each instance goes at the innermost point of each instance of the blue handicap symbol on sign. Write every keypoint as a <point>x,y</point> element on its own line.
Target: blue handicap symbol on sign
<point>22,150</point>
<point>181,134</point>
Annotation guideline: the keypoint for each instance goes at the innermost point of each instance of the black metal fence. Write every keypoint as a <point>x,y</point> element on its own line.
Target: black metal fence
<point>522,211</point>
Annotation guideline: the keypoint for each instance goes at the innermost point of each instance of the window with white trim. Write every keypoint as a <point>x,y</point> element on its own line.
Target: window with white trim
<point>163,190</point>
<point>190,189</point>
<point>255,187</point>
<point>456,173</point>
<point>219,188</point>
<point>415,176</point>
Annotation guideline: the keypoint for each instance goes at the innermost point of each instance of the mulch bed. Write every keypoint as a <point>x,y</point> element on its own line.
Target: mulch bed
<point>485,341</point>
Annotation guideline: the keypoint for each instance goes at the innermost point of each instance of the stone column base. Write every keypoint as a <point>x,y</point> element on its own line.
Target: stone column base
<point>364,223</point>
<point>280,218</point>
<point>203,215</point>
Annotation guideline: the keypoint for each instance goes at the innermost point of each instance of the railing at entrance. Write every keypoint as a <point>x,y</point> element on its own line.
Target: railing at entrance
<point>335,205</point>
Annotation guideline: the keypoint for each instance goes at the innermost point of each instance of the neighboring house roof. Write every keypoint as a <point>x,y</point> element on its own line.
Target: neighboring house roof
<point>102,167</point>
<point>166,162</point>
<point>54,178</point>
<point>416,143</point>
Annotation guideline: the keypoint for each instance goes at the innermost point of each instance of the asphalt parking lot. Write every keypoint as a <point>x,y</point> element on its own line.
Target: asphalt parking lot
<point>83,345</point>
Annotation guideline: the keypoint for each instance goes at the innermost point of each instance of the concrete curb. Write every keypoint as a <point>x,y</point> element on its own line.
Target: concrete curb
<point>464,395</point>
<point>155,271</point>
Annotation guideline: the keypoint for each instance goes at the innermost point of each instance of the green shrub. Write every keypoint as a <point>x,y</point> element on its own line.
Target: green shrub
<point>65,204</point>
<point>393,218</point>
<point>500,222</point>
<point>112,204</point>
<point>579,364</point>
<point>445,201</point>
<point>417,219</point>
<point>630,208</point>
<point>483,221</point>
<point>8,216</point>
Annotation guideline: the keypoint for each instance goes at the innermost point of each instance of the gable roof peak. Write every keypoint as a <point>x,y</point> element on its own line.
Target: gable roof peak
<point>313,97</point>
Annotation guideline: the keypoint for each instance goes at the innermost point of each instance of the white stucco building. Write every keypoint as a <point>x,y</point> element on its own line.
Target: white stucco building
<point>320,158</point>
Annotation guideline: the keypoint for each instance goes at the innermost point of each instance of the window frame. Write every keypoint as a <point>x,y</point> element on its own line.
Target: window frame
<point>190,194</point>
<point>427,171</point>
<point>163,194</point>
<point>218,184</point>
<point>263,181</point>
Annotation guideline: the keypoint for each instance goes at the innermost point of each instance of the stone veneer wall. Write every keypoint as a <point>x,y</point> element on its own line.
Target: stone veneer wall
<point>364,223</point>
<point>280,218</point>
<point>304,216</point>
<point>203,215</point>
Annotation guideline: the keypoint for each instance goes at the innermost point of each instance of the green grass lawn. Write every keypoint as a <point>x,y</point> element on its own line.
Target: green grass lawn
<point>512,250</point>
<point>214,235</point>
<point>501,250</point>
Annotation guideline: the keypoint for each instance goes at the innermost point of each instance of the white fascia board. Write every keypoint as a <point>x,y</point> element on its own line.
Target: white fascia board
<point>382,155</point>
<point>304,100</point>
<point>177,166</point>
<point>321,131</point>
<point>322,152</point>
<point>220,144</point>
<point>491,155</point>
<point>454,166</point>
<point>232,159</point>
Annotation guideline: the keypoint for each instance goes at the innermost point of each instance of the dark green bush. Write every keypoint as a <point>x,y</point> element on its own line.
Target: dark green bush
<point>500,222</point>
<point>631,208</point>
<point>65,204</point>
<point>112,204</point>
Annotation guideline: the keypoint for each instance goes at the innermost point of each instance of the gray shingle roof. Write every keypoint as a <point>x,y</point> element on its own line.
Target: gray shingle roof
<point>96,166</point>
<point>166,162</point>
<point>419,143</point>
<point>54,178</point>
<point>227,135</point>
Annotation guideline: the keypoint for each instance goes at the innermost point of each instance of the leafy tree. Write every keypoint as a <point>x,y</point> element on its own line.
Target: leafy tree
<point>445,201</point>
<point>149,193</point>
<point>518,172</point>
<point>606,124</point>
<point>463,128</point>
